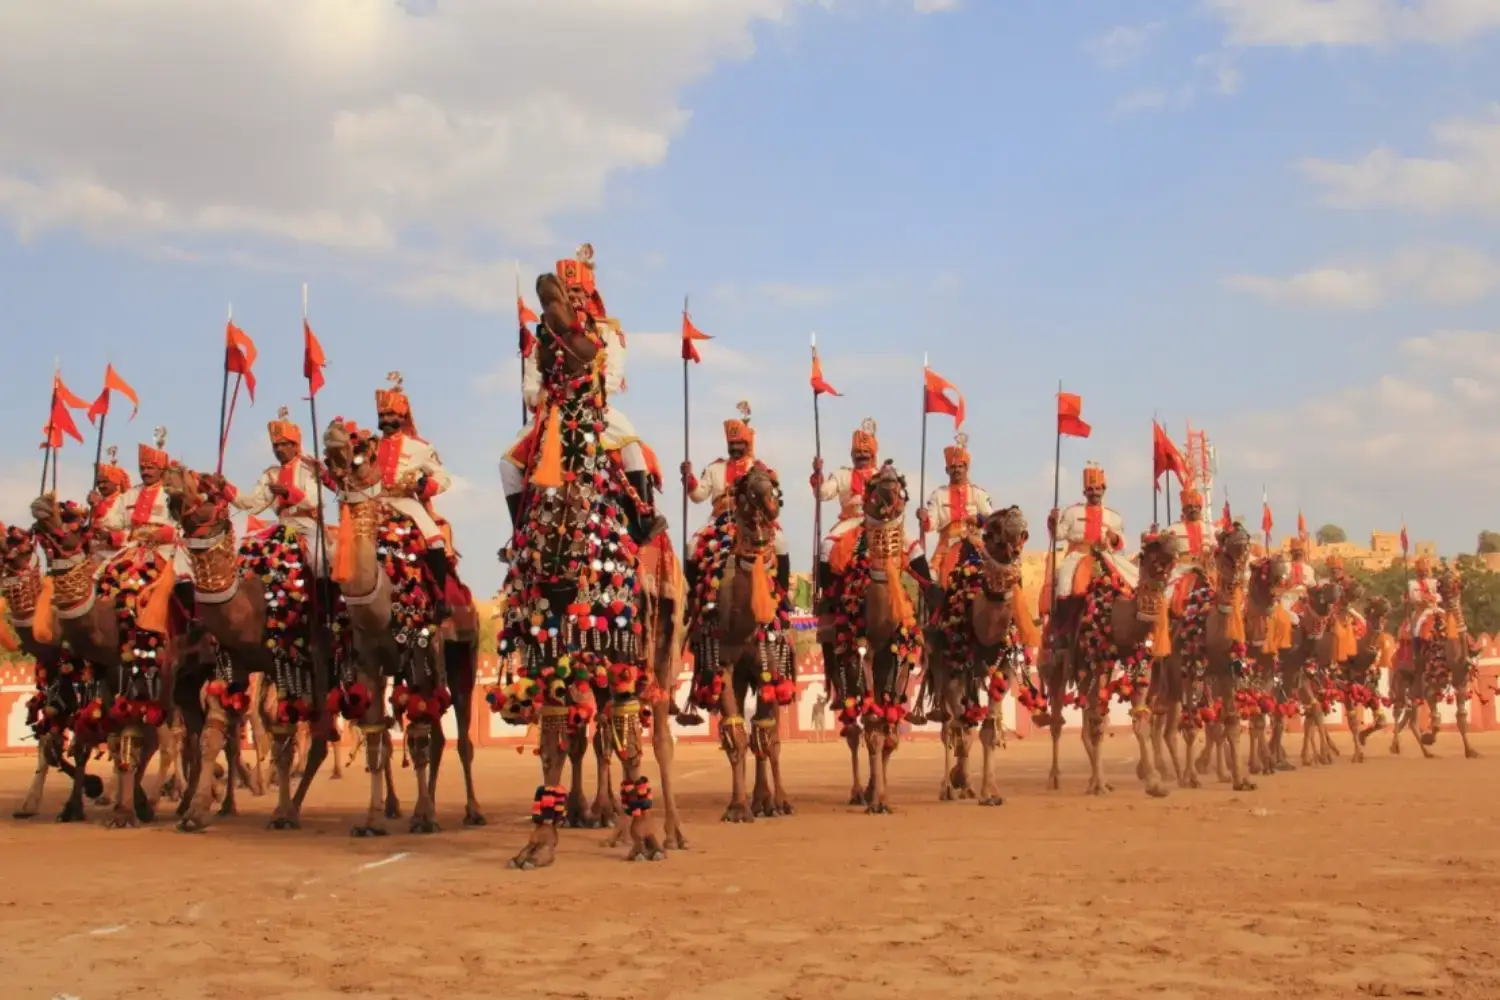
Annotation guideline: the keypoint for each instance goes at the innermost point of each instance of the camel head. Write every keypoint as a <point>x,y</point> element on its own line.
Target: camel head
<point>757,505</point>
<point>1323,598</point>
<point>1001,540</point>
<point>562,329</point>
<point>1377,610</point>
<point>349,455</point>
<point>1159,553</point>
<point>1266,577</point>
<point>61,527</point>
<point>885,495</point>
<point>198,501</point>
<point>1235,543</point>
<point>17,551</point>
<point>1450,585</point>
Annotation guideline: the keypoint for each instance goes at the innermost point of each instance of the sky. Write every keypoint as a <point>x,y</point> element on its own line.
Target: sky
<point>1276,219</point>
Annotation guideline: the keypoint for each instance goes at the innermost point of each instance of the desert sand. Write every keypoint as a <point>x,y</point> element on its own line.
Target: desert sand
<point>1345,881</point>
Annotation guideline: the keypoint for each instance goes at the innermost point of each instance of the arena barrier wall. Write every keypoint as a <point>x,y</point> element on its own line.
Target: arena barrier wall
<point>796,719</point>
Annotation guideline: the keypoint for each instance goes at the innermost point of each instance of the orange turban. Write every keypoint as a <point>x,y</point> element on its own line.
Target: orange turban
<point>284,429</point>
<point>864,439</point>
<point>1094,478</point>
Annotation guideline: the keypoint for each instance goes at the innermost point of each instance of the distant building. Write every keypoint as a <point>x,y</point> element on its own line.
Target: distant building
<point>1383,552</point>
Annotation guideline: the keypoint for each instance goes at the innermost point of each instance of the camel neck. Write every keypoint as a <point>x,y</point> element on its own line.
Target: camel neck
<point>21,593</point>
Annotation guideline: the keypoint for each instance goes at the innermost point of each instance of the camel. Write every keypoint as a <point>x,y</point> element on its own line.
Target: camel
<point>134,685</point>
<point>979,643</point>
<point>232,602</point>
<point>1268,629</point>
<point>1443,670</point>
<point>739,629</point>
<point>877,640</point>
<point>1359,676</point>
<point>569,595</point>
<point>1321,642</point>
<point>393,634</point>
<point>1116,626</point>
<point>61,679</point>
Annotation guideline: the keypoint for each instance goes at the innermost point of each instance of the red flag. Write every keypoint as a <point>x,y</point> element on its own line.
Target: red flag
<point>254,525</point>
<point>239,356</point>
<point>60,423</point>
<point>313,361</point>
<point>525,319</point>
<point>1165,457</point>
<point>1405,542</point>
<point>941,396</point>
<point>1266,523</point>
<point>67,396</point>
<point>819,386</point>
<point>1226,520</point>
<point>1070,416</point>
<point>113,383</point>
<point>691,333</point>
<point>1301,525</point>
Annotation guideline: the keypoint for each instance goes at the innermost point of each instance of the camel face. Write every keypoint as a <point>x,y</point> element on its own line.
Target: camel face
<point>885,494</point>
<point>1005,534</point>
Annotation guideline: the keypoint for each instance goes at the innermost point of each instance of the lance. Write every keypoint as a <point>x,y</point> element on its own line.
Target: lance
<point>320,546</point>
<point>49,458</point>
<point>1051,582</point>
<point>686,438</point>
<point>226,400</point>
<point>817,498</point>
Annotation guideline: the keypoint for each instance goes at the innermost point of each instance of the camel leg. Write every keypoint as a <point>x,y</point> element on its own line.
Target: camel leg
<point>145,811</point>
<point>1093,736</point>
<point>604,813</point>
<point>664,749</point>
<point>283,754</point>
<point>234,757</point>
<point>1142,723</point>
<point>317,749</point>
<point>331,748</point>
<point>1461,713</point>
<point>735,742</point>
<point>377,762</point>
<point>946,789</point>
<point>1230,739</point>
<point>260,736</point>
<point>388,773</point>
<point>72,810</point>
<point>463,707</point>
<point>419,743</point>
<point>857,791</point>
<point>577,815</point>
<point>127,761</point>
<point>875,749</point>
<point>550,806</point>
<point>1353,714</point>
<point>1055,726</point>
<point>989,736</point>
<point>31,802</point>
<point>762,802</point>
<point>212,739</point>
<point>636,798</point>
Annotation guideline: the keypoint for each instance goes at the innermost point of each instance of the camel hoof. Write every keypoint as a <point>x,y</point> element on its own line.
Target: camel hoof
<point>228,809</point>
<point>1141,773</point>
<point>649,852</point>
<point>967,793</point>
<point>473,817</point>
<point>992,800</point>
<point>367,831</point>
<point>1244,785</point>
<point>336,776</point>
<point>1285,765</point>
<point>1156,791</point>
<point>23,814</point>
<point>423,825</point>
<point>1472,754</point>
<point>857,799</point>
<point>948,794</point>
<point>190,824</point>
<point>282,823</point>
<point>878,809</point>
<point>183,807</point>
<point>1428,739</point>
<point>72,812</point>
<point>738,814</point>
<point>393,810</point>
<point>581,821</point>
<point>102,799</point>
<point>93,788</point>
<point>785,809</point>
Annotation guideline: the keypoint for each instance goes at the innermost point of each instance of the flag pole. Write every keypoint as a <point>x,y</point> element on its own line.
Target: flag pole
<point>224,398</point>
<point>49,459</point>
<point>686,439</point>
<point>320,543</point>
<point>520,342</point>
<point>1051,598</point>
<point>1155,481</point>
<point>922,492</point>
<point>817,498</point>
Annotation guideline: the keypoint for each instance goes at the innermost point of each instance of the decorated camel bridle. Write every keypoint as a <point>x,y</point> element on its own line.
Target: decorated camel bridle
<point>63,530</point>
<point>201,506</point>
<point>20,577</point>
<point>885,503</point>
<point>349,452</point>
<point>1000,574</point>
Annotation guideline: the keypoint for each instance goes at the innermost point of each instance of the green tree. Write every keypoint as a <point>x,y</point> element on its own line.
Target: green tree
<point>1489,541</point>
<point>1481,593</point>
<point>1331,534</point>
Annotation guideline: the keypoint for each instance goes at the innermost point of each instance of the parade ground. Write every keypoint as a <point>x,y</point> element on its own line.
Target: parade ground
<point>1344,881</point>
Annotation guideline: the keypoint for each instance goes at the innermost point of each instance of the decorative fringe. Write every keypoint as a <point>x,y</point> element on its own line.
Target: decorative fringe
<point>901,609</point>
<point>154,603</point>
<point>1278,631</point>
<point>1234,624</point>
<point>548,472</point>
<point>44,625</point>
<point>762,600</point>
<point>1344,644</point>
<point>9,641</point>
<point>342,570</point>
<point>1386,652</point>
<point>1026,629</point>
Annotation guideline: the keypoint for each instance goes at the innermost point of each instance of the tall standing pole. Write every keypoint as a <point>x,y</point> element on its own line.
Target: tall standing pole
<point>817,496</point>
<point>686,440</point>
<point>99,448</point>
<point>521,344</point>
<point>1051,596</point>
<point>49,456</point>
<point>224,397</point>
<point>320,541</point>
<point>922,493</point>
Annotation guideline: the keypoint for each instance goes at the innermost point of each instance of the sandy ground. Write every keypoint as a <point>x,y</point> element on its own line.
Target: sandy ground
<point>1348,881</point>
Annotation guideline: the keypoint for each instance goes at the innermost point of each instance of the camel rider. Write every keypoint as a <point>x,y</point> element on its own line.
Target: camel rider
<point>1300,578</point>
<point>110,485</point>
<point>1196,545</point>
<point>1423,602</point>
<point>1092,537</point>
<point>847,486</point>
<point>412,475</point>
<point>291,487</point>
<point>141,521</point>
<point>716,486</point>
<point>954,512</point>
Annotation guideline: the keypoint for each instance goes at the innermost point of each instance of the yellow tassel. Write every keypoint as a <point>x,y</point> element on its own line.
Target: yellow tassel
<point>44,624</point>
<point>9,641</point>
<point>342,570</point>
<point>548,472</point>
<point>155,601</point>
<point>1387,654</point>
<point>901,609</point>
<point>1161,634</point>
<point>1026,630</point>
<point>1234,625</point>
<point>762,601</point>
<point>1278,631</point>
<point>1344,645</point>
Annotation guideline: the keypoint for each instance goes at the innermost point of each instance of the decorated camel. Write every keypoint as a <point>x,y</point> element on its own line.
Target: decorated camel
<point>1440,669</point>
<point>254,601</point>
<point>1359,676</point>
<point>1322,640</point>
<point>120,621</point>
<point>977,649</point>
<point>62,680</point>
<point>877,640</point>
<point>1107,651</point>
<point>739,631</point>
<point>379,567</point>
<point>1268,633</point>
<point>572,597</point>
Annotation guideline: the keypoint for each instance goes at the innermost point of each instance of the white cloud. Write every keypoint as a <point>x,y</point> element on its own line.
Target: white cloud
<point>1121,45</point>
<point>1145,99</point>
<point>1333,287</point>
<point>1365,23</point>
<point>935,6</point>
<point>1444,275</point>
<point>1467,179</point>
<point>349,125</point>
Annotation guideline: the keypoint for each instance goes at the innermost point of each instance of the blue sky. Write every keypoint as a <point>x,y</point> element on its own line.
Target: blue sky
<point>1274,218</point>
